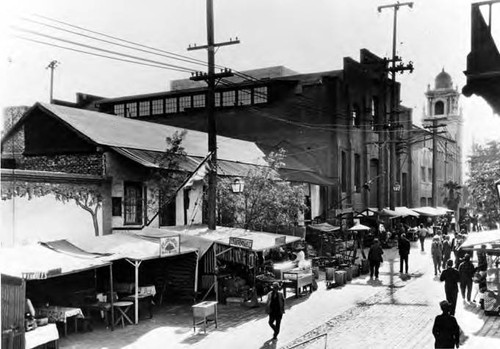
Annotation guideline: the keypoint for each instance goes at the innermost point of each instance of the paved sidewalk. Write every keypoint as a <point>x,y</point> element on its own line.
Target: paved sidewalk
<point>361,314</point>
<point>403,317</point>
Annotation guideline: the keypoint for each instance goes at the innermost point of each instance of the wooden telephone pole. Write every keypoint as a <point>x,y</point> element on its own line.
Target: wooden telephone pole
<point>393,183</point>
<point>211,77</point>
<point>52,65</point>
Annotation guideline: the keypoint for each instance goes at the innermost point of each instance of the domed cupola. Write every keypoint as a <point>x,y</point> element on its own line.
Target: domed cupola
<point>443,81</point>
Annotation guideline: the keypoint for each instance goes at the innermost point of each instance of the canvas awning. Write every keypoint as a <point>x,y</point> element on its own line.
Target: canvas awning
<point>359,227</point>
<point>324,227</point>
<point>367,212</point>
<point>129,245</point>
<point>476,239</point>
<point>405,211</point>
<point>236,237</point>
<point>429,211</point>
<point>36,262</point>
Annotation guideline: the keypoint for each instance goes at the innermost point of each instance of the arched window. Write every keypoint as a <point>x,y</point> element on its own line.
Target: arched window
<point>439,108</point>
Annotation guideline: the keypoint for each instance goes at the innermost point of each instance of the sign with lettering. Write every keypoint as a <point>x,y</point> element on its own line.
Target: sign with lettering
<point>170,245</point>
<point>241,242</point>
<point>280,240</point>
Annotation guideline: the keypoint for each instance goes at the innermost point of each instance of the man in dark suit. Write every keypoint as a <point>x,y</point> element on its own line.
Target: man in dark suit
<point>404,251</point>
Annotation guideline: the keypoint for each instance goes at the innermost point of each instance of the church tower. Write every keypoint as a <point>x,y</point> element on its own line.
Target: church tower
<point>442,103</point>
<point>442,106</point>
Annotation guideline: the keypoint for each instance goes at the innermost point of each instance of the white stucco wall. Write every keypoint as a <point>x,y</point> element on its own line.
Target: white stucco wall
<point>43,219</point>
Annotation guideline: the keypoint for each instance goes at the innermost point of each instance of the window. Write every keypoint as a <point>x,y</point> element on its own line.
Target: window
<point>184,103</point>
<point>375,113</point>
<point>260,95</point>
<point>430,174</point>
<point>423,202</point>
<point>357,173</point>
<point>439,108</point>
<point>144,108</point>
<point>422,173</point>
<point>133,203</point>
<point>244,97</point>
<point>356,118</point>
<point>157,106</point>
<point>171,105</point>
<point>344,171</point>
<point>217,99</point>
<point>198,101</point>
<point>131,110</point>
<point>119,109</point>
<point>228,98</point>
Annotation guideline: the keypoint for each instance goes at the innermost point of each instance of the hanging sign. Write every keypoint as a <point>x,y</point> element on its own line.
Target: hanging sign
<point>280,240</point>
<point>170,245</point>
<point>241,242</point>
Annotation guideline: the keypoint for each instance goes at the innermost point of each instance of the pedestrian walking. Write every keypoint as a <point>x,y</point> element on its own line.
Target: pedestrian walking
<point>437,254</point>
<point>451,277</point>
<point>422,233</point>
<point>275,308</point>
<point>482,259</point>
<point>446,249</point>
<point>404,251</point>
<point>446,330</point>
<point>466,271</point>
<point>375,258</point>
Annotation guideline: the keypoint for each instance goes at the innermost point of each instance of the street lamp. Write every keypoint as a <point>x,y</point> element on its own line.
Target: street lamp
<point>237,185</point>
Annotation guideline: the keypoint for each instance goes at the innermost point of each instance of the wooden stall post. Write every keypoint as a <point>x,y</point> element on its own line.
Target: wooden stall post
<point>111,296</point>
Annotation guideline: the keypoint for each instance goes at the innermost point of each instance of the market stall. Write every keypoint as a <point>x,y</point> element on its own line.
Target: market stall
<point>236,260</point>
<point>41,271</point>
<point>148,248</point>
<point>488,242</point>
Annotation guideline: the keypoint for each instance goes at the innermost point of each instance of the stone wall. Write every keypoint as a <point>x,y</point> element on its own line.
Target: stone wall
<point>91,164</point>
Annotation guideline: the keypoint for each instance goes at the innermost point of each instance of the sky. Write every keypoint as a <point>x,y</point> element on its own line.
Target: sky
<point>303,35</point>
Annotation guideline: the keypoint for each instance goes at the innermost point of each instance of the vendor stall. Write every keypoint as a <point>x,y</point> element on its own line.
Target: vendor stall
<point>231,266</point>
<point>488,242</point>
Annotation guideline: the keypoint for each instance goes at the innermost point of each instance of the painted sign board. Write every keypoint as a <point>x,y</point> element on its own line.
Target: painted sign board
<point>280,240</point>
<point>170,245</point>
<point>241,242</point>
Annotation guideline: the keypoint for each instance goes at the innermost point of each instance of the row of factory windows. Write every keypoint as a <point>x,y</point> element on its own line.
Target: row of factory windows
<point>172,105</point>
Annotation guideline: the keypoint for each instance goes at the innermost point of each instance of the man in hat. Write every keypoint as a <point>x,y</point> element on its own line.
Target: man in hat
<point>451,277</point>
<point>466,271</point>
<point>275,307</point>
<point>446,330</point>
<point>404,251</point>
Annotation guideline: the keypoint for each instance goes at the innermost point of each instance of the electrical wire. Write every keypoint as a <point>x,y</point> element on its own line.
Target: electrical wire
<point>104,50</point>
<point>95,54</point>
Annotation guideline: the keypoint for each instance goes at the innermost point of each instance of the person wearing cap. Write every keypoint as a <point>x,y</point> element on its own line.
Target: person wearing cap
<point>451,277</point>
<point>404,251</point>
<point>375,258</point>
<point>275,308</point>
<point>446,330</point>
<point>466,271</point>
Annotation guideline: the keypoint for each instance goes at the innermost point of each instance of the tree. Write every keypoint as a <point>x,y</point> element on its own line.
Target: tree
<point>266,203</point>
<point>484,171</point>
<point>166,179</point>
<point>453,195</point>
<point>87,197</point>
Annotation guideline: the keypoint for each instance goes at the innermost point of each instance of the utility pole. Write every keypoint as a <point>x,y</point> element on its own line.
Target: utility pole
<point>211,78</point>
<point>434,126</point>
<point>52,65</point>
<point>392,119</point>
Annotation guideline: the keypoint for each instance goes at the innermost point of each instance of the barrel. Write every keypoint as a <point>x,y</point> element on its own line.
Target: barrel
<point>340,277</point>
<point>348,274</point>
<point>330,274</point>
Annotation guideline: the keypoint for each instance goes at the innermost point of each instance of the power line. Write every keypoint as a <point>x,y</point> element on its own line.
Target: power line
<point>103,50</point>
<point>94,54</point>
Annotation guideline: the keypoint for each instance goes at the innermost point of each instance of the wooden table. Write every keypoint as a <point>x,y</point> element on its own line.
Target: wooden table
<point>57,313</point>
<point>42,335</point>
<point>123,307</point>
<point>102,307</point>
<point>204,310</point>
<point>296,281</point>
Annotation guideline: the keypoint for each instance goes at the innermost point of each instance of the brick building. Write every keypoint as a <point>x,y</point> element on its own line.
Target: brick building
<point>332,123</point>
